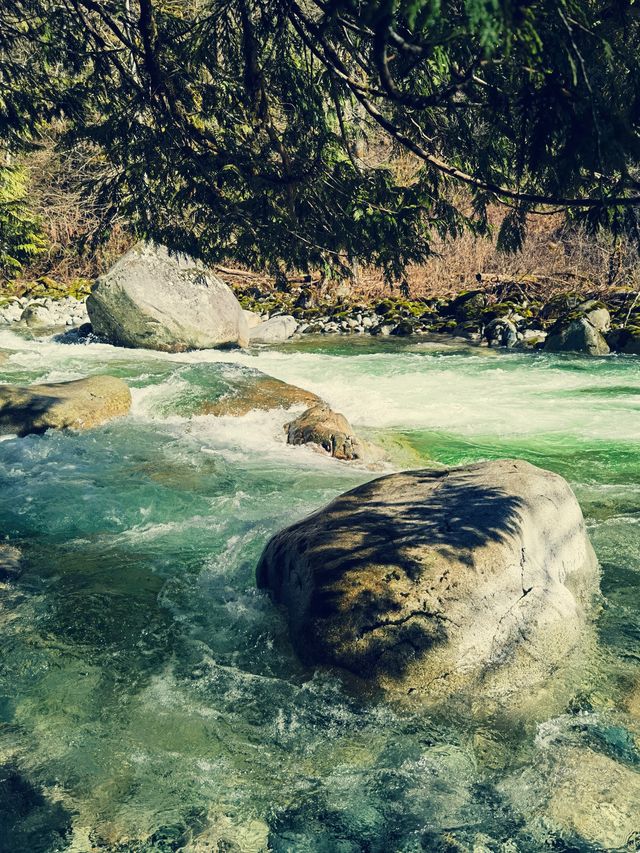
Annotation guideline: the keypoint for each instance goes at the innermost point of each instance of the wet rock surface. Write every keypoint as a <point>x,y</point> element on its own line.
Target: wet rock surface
<point>331,431</point>
<point>477,578</point>
<point>256,390</point>
<point>80,404</point>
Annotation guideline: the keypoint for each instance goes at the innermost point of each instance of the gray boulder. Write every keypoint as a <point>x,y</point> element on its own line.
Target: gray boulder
<point>80,404</point>
<point>38,314</point>
<point>154,300</point>
<point>432,581</point>
<point>501,332</point>
<point>578,335</point>
<point>625,340</point>
<point>274,331</point>
<point>597,314</point>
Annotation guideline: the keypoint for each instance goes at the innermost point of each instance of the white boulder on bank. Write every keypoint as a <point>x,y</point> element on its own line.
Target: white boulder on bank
<point>155,300</point>
<point>432,581</point>
<point>275,330</point>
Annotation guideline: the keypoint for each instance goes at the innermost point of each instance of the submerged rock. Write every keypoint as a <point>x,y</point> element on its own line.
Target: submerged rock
<point>80,404</point>
<point>581,796</point>
<point>274,331</point>
<point>222,833</point>
<point>10,562</point>
<point>258,391</point>
<point>329,430</point>
<point>155,300</point>
<point>477,577</point>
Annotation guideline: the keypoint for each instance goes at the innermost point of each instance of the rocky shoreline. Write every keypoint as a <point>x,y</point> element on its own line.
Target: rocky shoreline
<point>568,322</point>
<point>156,300</point>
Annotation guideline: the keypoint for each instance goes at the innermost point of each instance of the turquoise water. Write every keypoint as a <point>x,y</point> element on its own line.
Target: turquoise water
<point>149,699</point>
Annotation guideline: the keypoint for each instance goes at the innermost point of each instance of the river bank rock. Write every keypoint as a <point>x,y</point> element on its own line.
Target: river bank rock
<point>331,431</point>
<point>501,332</point>
<point>11,312</point>
<point>80,404</point>
<point>44,312</point>
<point>274,331</point>
<point>255,390</point>
<point>430,581</point>
<point>154,300</point>
<point>578,335</point>
<point>625,340</point>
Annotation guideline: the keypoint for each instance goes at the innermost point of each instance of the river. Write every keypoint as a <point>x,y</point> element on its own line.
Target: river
<point>149,698</point>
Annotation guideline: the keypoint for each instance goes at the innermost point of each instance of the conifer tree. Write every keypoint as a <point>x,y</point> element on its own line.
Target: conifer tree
<point>266,130</point>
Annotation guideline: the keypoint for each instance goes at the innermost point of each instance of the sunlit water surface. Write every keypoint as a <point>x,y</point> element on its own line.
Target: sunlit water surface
<point>149,699</point>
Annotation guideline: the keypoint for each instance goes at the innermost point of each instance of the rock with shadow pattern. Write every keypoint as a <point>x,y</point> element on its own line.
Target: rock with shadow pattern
<point>80,404</point>
<point>479,577</point>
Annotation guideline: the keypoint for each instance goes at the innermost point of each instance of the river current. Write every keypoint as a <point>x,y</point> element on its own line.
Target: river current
<point>149,697</point>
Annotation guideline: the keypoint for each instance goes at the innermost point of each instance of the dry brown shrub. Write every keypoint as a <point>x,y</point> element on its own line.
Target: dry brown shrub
<point>68,217</point>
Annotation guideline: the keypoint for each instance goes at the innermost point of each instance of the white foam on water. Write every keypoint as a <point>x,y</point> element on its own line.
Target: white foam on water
<point>425,388</point>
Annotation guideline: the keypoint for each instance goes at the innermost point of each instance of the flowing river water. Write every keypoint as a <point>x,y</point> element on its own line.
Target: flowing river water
<point>149,698</point>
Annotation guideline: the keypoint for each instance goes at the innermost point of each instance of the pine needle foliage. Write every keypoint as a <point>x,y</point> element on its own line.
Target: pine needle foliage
<point>250,129</point>
<point>21,236</point>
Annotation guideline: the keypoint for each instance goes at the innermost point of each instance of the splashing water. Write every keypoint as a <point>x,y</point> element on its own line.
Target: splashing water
<point>149,699</point>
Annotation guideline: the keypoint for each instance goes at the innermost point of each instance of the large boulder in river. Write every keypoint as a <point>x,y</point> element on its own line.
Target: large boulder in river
<point>438,580</point>
<point>626,340</point>
<point>156,300</point>
<point>581,331</point>
<point>80,404</point>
